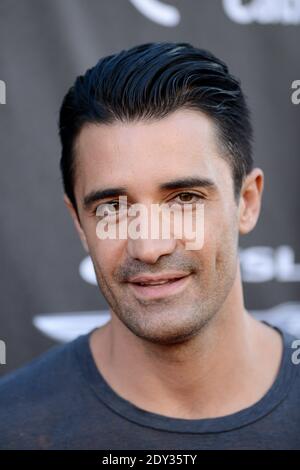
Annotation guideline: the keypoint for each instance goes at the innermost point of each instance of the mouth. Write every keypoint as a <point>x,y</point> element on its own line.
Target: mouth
<point>159,288</point>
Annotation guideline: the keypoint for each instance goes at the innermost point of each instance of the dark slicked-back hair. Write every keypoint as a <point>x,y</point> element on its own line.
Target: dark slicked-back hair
<point>148,82</point>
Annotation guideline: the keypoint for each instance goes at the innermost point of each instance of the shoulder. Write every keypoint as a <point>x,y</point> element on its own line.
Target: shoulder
<point>40,370</point>
<point>40,386</point>
<point>38,397</point>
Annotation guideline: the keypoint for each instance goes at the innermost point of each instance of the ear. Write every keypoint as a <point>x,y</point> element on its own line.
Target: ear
<point>76,221</point>
<point>250,200</point>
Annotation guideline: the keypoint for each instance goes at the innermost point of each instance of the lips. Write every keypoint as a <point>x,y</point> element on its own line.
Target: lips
<point>157,279</point>
<point>160,286</point>
<point>154,283</point>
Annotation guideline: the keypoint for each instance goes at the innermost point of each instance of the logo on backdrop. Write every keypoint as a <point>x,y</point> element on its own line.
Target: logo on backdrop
<point>263,11</point>
<point>239,11</point>
<point>157,11</point>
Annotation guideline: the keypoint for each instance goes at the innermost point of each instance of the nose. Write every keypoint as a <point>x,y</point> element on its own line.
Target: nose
<point>147,247</point>
<point>149,250</point>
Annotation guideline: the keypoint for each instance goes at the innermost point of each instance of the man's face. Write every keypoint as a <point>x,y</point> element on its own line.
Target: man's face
<point>141,157</point>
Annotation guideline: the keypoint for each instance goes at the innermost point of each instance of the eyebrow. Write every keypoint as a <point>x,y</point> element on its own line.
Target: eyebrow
<point>189,182</point>
<point>98,195</point>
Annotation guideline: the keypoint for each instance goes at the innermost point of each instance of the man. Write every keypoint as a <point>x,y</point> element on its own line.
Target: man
<point>181,364</point>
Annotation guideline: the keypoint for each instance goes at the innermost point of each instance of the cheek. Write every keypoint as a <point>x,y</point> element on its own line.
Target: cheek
<point>220,239</point>
<point>106,254</point>
<point>227,250</point>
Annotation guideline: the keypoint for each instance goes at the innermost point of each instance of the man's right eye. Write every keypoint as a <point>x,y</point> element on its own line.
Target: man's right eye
<point>109,208</point>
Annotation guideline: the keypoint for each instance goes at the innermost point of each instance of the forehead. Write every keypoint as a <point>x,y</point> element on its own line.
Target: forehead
<point>143,154</point>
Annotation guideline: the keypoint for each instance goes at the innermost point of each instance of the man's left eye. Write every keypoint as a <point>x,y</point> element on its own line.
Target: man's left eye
<point>188,198</point>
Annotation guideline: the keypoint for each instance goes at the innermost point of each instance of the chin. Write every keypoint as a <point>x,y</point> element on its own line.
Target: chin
<point>166,332</point>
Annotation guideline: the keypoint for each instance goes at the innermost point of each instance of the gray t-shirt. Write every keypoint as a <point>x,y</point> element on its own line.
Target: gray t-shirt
<point>61,401</point>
